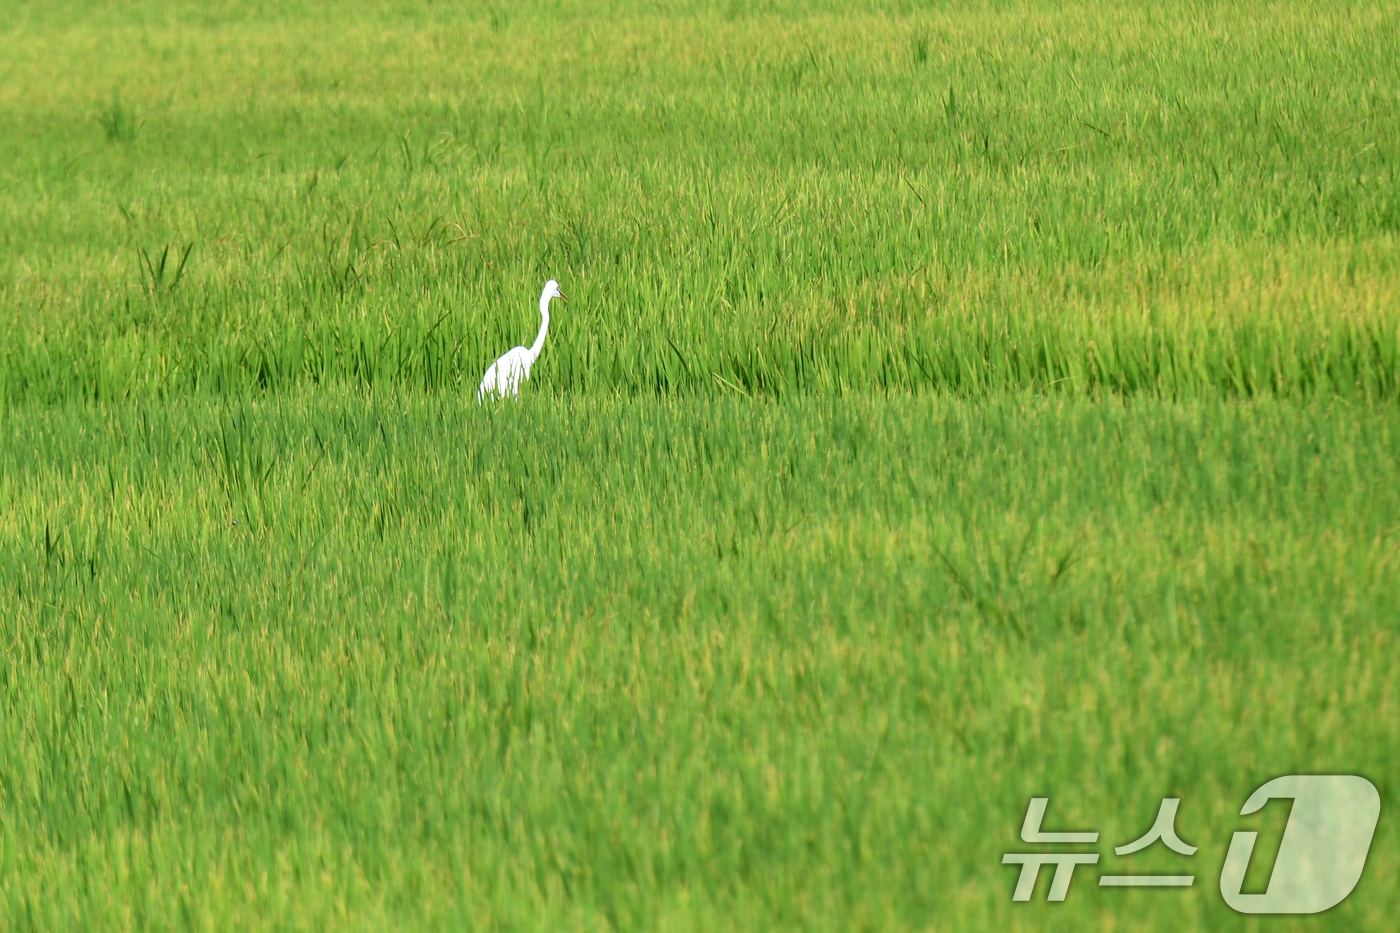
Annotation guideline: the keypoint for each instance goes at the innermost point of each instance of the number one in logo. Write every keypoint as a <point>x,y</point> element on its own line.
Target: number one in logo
<point>1324,845</point>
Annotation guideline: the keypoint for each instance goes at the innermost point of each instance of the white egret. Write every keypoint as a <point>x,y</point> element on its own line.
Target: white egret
<point>504,376</point>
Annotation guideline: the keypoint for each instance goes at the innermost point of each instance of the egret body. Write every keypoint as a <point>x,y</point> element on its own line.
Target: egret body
<point>504,376</point>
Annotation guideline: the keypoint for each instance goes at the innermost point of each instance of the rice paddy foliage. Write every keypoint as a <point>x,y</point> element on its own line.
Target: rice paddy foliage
<point>956,403</point>
<point>366,661</point>
<point>1180,200</point>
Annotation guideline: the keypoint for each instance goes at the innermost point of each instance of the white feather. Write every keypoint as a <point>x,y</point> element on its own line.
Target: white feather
<point>503,377</point>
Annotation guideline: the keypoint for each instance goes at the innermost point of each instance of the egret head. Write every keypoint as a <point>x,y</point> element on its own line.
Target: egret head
<point>551,290</point>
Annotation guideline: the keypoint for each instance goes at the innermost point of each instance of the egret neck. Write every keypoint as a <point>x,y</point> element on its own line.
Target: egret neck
<point>538,345</point>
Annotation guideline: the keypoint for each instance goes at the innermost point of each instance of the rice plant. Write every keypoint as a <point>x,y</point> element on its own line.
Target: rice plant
<point>953,405</point>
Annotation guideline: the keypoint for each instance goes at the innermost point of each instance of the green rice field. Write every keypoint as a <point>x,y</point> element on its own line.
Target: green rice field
<point>956,403</point>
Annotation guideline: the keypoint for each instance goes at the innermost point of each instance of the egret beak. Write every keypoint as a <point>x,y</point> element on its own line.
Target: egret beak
<point>564,298</point>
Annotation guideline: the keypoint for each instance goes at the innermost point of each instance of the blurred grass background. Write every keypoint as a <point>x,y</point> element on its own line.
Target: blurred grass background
<point>1179,200</point>
<point>955,403</point>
